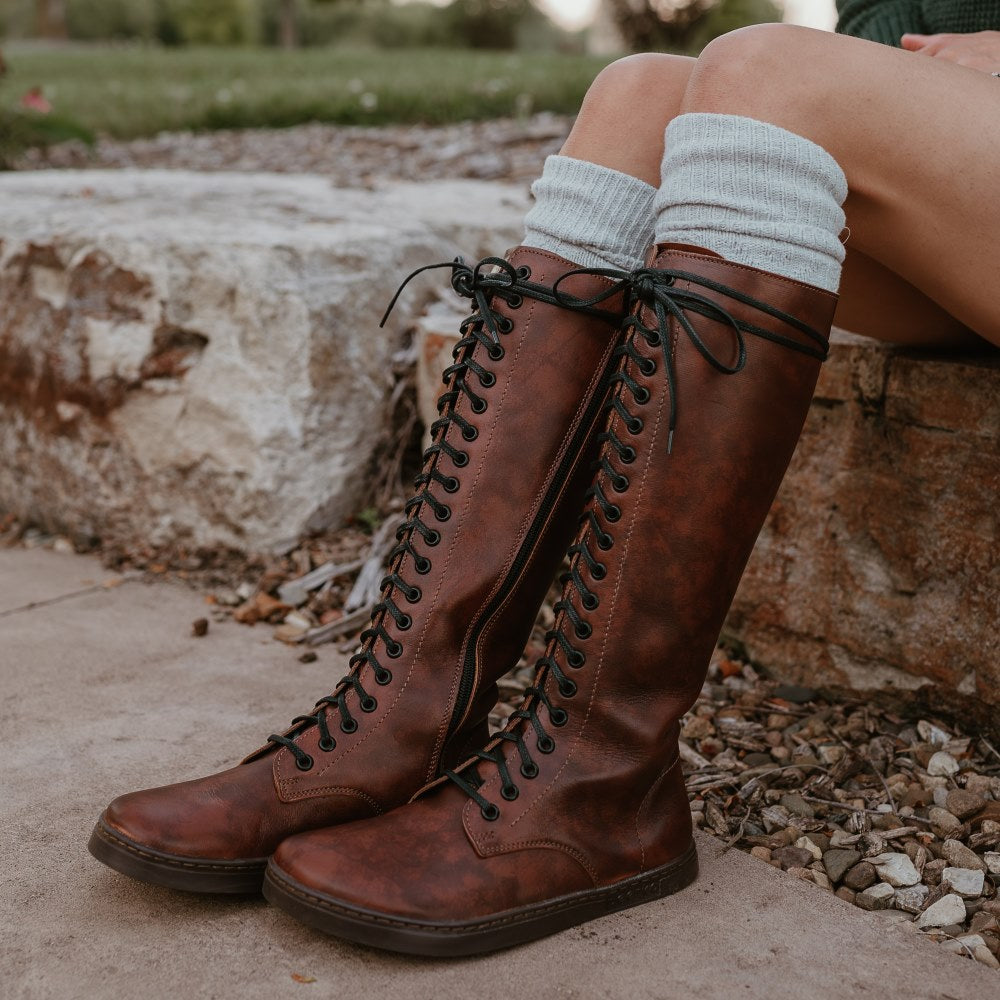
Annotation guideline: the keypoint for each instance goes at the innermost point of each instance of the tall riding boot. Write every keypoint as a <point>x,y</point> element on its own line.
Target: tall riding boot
<point>495,507</point>
<point>578,808</point>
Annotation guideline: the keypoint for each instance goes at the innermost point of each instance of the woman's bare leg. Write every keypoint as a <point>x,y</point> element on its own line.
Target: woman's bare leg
<point>877,302</point>
<point>777,72</point>
<point>916,137</point>
<point>626,111</point>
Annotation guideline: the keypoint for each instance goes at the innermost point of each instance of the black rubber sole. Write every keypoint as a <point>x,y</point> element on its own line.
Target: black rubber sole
<point>237,878</point>
<point>501,930</point>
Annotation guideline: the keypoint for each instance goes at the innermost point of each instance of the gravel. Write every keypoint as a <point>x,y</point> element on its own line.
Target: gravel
<point>352,156</point>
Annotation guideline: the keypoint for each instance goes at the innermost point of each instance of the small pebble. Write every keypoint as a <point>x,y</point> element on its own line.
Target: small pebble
<point>959,856</point>
<point>792,857</point>
<point>943,823</point>
<point>984,955</point>
<point>308,657</point>
<point>942,765</point>
<point>838,860</point>
<point>911,899</point>
<point>968,883</point>
<point>932,871</point>
<point>199,627</point>
<point>877,897</point>
<point>964,804</point>
<point>896,869</point>
<point>948,910</point>
<point>861,876</point>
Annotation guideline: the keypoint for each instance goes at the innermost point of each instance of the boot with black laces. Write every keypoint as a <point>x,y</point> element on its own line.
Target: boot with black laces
<point>495,507</point>
<point>578,808</point>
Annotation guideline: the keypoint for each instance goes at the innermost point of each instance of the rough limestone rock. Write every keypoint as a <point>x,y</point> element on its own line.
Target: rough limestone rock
<point>195,358</point>
<point>878,563</point>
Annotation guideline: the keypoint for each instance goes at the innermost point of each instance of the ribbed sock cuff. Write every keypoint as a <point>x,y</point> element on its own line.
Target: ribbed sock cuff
<point>591,215</point>
<point>755,193</point>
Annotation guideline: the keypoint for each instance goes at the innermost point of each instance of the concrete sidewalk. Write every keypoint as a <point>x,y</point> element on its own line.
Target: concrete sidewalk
<point>107,691</point>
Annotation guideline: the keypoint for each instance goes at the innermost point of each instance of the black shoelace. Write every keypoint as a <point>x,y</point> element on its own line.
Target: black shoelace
<point>656,289</point>
<point>482,331</point>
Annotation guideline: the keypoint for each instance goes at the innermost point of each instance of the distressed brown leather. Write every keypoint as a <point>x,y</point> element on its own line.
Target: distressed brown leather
<point>542,412</point>
<point>609,801</point>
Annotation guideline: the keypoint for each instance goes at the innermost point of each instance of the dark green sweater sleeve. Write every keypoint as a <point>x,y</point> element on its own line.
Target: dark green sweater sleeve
<point>880,20</point>
<point>886,20</point>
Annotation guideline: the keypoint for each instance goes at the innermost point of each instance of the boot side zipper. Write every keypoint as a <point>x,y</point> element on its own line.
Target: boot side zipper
<point>582,432</point>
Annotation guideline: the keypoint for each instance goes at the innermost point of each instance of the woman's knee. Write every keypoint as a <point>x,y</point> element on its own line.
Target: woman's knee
<point>755,67</point>
<point>649,80</point>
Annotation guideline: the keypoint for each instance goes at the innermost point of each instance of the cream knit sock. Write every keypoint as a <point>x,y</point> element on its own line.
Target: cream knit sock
<point>591,215</point>
<point>755,193</point>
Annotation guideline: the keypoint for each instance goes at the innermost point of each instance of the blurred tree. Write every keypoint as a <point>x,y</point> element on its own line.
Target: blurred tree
<point>50,18</point>
<point>97,20</point>
<point>490,24</point>
<point>211,22</point>
<point>647,25</point>
<point>685,25</point>
<point>288,24</point>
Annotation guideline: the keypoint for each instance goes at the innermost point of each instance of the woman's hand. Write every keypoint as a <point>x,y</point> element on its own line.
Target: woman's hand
<point>979,50</point>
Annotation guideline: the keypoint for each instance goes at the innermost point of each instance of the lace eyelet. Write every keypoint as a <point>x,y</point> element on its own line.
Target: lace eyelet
<point>404,622</point>
<point>605,542</point>
<point>627,454</point>
<point>654,339</point>
<point>443,513</point>
<point>383,677</point>
<point>576,659</point>
<point>470,433</point>
<point>559,717</point>
<point>368,704</point>
<point>490,812</point>
<point>451,485</point>
<point>509,792</point>
<point>529,771</point>
<point>583,631</point>
<point>545,744</point>
<point>515,301</point>
<point>487,380</point>
<point>634,426</point>
<point>568,689</point>
<point>326,745</point>
<point>414,595</point>
<point>422,566</point>
<point>620,484</point>
<point>432,537</point>
<point>647,366</point>
<point>523,272</point>
<point>304,763</point>
<point>599,571</point>
<point>613,514</point>
<point>348,725</point>
<point>505,324</point>
<point>479,406</point>
<point>394,650</point>
<point>496,353</point>
<point>590,602</point>
<point>641,395</point>
<point>460,459</point>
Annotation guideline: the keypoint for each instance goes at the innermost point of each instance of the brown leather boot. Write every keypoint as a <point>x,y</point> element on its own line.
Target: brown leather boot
<point>497,500</point>
<point>578,808</point>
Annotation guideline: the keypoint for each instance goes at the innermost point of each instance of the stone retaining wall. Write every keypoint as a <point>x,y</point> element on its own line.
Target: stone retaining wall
<point>880,561</point>
<point>196,358</point>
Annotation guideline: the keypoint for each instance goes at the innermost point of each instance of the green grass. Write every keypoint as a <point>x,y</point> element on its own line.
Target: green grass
<point>136,91</point>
